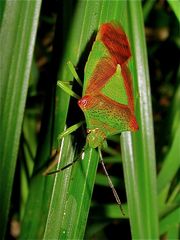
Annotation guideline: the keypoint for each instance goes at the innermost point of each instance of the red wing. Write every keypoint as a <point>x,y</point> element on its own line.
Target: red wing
<point>115,40</point>
<point>104,69</point>
<point>128,85</point>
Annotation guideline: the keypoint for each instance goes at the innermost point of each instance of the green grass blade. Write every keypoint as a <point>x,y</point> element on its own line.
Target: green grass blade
<point>170,220</point>
<point>147,8</point>
<point>175,5</point>
<point>47,195</point>
<point>171,163</point>
<point>138,150</point>
<point>77,202</point>
<point>17,37</point>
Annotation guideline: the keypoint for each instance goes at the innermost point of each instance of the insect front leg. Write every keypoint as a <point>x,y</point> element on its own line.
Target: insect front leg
<point>65,85</point>
<point>67,89</point>
<point>74,73</point>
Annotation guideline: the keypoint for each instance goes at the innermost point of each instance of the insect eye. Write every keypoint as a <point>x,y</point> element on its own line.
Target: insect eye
<point>83,102</point>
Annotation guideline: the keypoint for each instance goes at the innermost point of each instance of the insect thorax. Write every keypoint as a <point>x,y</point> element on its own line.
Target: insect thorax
<point>96,138</point>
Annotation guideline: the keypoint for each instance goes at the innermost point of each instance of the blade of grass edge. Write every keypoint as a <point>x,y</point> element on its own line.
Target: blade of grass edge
<point>18,31</point>
<point>138,150</point>
<point>175,5</point>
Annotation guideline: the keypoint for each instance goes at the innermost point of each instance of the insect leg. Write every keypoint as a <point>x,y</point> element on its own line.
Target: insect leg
<point>67,89</point>
<point>69,130</point>
<point>74,73</point>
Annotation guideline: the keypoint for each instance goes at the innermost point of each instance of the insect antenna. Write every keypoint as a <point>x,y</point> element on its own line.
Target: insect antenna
<point>110,183</point>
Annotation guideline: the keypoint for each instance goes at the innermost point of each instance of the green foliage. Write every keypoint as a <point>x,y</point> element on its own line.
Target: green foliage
<point>58,206</point>
<point>175,5</point>
<point>18,30</point>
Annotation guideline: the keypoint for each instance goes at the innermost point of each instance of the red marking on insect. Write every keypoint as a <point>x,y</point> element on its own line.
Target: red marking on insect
<point>133,124</point>
<point>85,102</point>
<point>128,85</point>
<point>105,68</point>
<point>114,38</point>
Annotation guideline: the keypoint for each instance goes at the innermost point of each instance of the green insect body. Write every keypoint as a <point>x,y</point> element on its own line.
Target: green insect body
<point>107,100</point>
